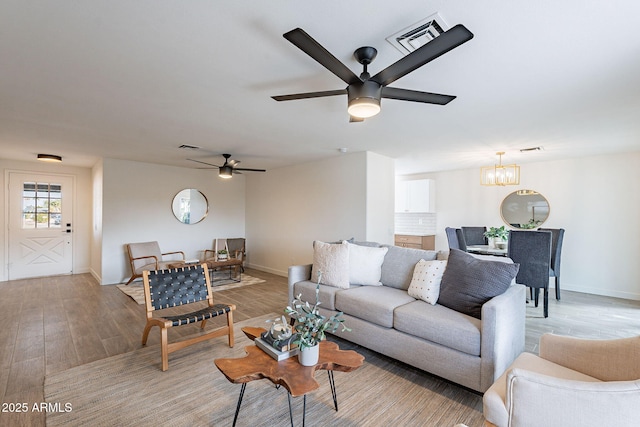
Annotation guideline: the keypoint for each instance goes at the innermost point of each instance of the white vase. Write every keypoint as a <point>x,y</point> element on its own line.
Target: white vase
<point>309,356</point>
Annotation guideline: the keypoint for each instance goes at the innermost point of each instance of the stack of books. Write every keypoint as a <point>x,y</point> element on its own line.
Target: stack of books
<point>279,350</point>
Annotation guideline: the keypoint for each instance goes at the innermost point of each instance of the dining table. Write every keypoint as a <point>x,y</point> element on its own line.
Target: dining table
<point>487,250</point>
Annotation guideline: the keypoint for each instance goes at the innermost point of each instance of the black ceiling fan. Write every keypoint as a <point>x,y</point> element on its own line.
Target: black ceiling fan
<point>364,92</point>
<point>229,167</point>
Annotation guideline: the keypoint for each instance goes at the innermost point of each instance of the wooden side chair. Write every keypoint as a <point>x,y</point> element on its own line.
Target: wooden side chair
<point>177,287</point>
<point>237,249</point>
<point>147,256</point>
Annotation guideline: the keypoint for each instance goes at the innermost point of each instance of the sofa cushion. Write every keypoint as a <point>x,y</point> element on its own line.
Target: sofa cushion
<point>307,290</point>
<point>372,303</point>
<point>469,282</point>
<point>331,262</point>
<point>439,324</point>
<point>365,264</point>
<point>425,283</point>
<point>398,265</point>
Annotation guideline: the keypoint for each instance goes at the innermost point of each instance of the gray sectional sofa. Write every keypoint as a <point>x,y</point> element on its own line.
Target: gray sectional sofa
<point>469,351</point>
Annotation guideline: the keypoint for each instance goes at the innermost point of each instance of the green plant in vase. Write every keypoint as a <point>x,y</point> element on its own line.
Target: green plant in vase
<point>311,326</point>
<point>497,235</point>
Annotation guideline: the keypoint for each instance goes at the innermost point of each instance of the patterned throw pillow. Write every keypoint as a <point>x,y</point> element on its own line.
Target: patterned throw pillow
<point>332,261</point>
<point>425,283</point>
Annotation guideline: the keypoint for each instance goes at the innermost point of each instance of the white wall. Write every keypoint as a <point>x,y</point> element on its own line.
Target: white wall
<point>380,198</point>
<point>82,209</point>
<point>97,174</point>
<point>290,207</point>
<point>136,207</point>
<point>595,199</point>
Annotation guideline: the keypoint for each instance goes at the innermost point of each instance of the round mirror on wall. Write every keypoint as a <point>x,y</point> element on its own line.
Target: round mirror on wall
<point>190,206</point>
<point>524,209</point>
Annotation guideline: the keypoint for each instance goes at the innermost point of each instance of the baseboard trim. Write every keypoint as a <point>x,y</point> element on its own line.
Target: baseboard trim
<point>269,270</point>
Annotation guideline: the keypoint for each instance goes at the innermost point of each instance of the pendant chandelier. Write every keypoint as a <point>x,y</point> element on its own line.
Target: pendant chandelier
<point>500,174</point>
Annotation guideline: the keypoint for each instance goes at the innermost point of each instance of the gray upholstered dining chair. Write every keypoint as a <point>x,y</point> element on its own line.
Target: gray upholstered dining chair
<point>455,238</point>
<point>557,236</point>
<point>475,235</point>
<point>532,250</point>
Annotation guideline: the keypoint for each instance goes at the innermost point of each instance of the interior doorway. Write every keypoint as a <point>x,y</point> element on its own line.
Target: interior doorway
<point>40,225</point>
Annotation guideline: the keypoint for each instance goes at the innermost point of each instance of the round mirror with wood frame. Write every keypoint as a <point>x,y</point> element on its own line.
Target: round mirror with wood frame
<point>190,206</point>
<point>524,209</point>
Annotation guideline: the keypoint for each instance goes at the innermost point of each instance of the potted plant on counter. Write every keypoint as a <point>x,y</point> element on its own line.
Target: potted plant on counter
<point>497,237</point>
<point>311,326</point>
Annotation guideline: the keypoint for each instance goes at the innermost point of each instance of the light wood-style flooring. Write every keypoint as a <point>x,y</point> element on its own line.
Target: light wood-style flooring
<point>55,323</point>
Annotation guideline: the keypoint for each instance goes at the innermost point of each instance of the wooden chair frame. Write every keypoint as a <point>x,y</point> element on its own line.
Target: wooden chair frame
<point>164,323</point>
<point>158,262</point>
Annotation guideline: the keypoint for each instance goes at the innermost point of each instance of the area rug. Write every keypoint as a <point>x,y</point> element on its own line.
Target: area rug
<point>136,291</point>
<point>131,389</point>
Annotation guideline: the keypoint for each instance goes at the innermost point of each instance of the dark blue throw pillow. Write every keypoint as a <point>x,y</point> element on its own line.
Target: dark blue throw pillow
<point>469,282</point>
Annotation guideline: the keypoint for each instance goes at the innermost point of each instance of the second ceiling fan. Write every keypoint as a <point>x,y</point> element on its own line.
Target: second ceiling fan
<point>229,167</point>
<point>364,92</point>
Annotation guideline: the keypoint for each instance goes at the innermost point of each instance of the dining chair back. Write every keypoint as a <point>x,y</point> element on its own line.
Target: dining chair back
<point>557,236</point>
<point>455,238</point>
<point>532,250</point>
<point>475,235</point>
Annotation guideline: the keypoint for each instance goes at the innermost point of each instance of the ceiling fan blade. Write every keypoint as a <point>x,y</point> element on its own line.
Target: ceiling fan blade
<point>308,45</point>
<point>416,96</point>
<point>442,44</point>
<point>354,119</point>
<point>306,95</point>
<point>233,162</point>
<point>204,163</point>
<point>250,170</point>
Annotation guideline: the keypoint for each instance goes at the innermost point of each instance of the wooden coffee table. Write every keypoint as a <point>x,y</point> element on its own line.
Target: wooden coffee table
<point>234,264</point>
<point>298,380</point>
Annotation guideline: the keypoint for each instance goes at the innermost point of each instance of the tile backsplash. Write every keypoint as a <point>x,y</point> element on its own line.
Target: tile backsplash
<point>420,223</point>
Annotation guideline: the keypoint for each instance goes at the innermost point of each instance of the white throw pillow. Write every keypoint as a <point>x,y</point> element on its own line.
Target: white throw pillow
<point>332,261</point>
<point>425,283</point>
<point>365,264</point>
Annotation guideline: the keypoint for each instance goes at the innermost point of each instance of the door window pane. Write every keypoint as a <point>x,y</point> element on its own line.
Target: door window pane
<point>41,205</point>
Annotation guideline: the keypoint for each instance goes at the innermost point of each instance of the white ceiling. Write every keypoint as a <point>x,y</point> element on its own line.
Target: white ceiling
<point>135,79</point>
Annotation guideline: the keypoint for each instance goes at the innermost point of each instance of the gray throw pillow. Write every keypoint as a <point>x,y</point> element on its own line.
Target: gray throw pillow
<point>469,282</point>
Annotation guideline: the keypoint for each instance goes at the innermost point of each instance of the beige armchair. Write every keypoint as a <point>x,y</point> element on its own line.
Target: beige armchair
<point>146,256</point>
<point>574,382</point>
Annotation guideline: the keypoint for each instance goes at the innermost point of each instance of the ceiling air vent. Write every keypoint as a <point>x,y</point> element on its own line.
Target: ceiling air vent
<point>418,34</point>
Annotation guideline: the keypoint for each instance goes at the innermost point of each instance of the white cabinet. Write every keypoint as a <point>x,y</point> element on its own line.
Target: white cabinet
<point>415,195</point>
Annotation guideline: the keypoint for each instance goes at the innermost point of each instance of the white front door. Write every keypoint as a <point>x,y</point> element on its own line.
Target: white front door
<point>40,225</point>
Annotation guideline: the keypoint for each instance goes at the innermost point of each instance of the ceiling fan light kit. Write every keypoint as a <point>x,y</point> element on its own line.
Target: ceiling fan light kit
<point>364,92</point>
<point>364,100</point>
<point>500,175</point>
<point>225,172</point>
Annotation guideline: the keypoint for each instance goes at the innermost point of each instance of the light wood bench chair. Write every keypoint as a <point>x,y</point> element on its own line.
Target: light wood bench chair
<point>181,286</point>
<point>147,256</point>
